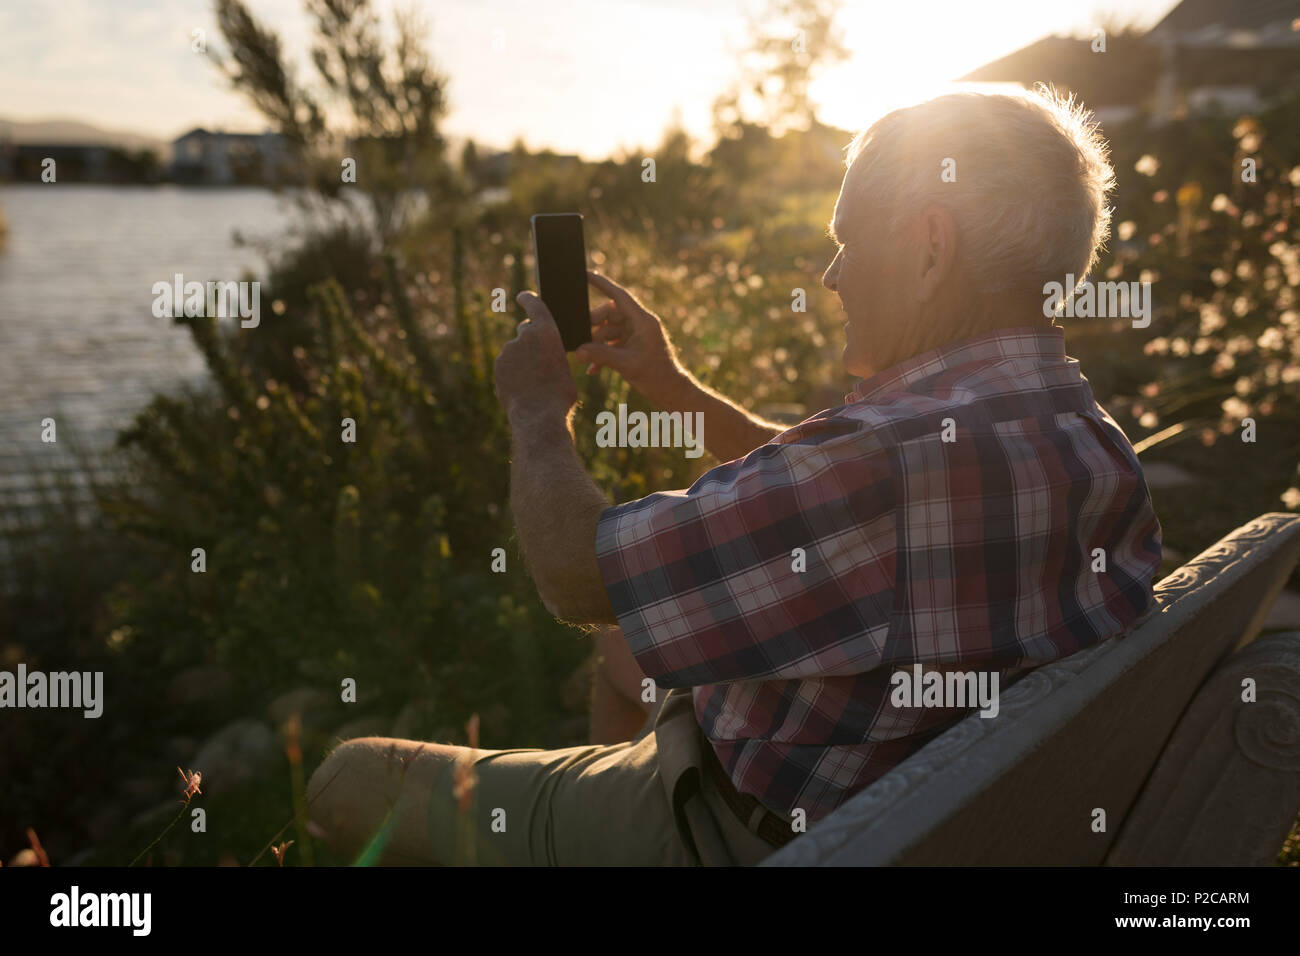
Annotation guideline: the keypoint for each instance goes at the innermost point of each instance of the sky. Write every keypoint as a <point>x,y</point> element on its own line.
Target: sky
<point>592,77</point>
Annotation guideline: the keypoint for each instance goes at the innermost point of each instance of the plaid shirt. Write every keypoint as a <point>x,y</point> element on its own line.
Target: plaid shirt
<point>975,553</point>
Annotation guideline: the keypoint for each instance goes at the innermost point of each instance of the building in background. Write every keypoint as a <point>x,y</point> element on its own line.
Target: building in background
<point>221,159</point>
<point>1205,55</point>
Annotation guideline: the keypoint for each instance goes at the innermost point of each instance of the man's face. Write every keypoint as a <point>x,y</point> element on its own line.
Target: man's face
<point>868,276</point>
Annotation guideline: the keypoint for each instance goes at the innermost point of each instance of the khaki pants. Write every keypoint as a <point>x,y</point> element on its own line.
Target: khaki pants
<point>642,803</point>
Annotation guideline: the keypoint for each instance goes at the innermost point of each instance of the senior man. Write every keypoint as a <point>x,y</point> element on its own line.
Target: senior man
<point>969,508</point>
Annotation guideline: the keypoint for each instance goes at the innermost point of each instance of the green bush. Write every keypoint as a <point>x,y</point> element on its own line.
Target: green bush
<point>329,559</point>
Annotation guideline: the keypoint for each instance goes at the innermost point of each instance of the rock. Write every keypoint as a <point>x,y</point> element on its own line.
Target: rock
<point>199,686</point>
<point>317,709</point>
<point>234,755</point>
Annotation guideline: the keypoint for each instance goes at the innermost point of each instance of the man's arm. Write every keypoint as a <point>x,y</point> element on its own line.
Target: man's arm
<point>556,506</point>
<point>730,432</point>
<point>630,339</point>
<point>555,503</point>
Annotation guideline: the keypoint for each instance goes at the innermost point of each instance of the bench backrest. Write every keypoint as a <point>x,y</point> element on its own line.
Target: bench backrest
<point>1072,736</point>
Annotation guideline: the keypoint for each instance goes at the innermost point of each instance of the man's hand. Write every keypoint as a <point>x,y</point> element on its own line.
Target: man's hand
<point>532,372</point>
<point>632,340</point>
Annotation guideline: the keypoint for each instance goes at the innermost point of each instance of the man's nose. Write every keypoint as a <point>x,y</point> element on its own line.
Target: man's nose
<point>830,278</point>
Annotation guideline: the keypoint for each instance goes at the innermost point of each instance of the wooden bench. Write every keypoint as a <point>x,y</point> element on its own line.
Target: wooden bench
<point>1149,727</point>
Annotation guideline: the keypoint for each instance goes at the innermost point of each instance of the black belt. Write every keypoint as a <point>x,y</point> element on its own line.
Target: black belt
<point>772,828</point>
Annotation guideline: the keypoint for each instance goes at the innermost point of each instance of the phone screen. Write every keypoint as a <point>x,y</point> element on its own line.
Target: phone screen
<point>561,258</point>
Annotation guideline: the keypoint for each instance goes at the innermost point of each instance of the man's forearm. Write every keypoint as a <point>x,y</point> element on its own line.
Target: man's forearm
<point>730,432</point>
<point>556,507</point>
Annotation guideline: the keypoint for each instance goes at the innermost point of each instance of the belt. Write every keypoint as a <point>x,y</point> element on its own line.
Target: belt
<point>772,828</point>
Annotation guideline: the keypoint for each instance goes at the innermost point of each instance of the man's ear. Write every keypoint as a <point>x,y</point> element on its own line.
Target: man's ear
<point>936,250</point>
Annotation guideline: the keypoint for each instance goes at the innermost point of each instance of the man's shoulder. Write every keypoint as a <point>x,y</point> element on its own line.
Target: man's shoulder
<point>983,394</point>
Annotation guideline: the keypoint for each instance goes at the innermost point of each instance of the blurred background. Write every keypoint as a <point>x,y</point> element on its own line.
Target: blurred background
<point>209,140</point>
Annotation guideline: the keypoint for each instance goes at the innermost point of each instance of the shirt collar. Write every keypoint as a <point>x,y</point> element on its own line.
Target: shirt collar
<point>1034,343</point>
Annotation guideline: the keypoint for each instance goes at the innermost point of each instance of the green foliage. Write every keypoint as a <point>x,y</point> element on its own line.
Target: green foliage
<point>1223,257</point>
<point>327,558</point>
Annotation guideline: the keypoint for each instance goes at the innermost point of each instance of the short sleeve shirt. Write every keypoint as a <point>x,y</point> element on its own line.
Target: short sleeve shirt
<point>972,507</point>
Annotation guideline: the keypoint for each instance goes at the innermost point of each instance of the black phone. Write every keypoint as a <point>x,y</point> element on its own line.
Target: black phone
<point>561,262</point>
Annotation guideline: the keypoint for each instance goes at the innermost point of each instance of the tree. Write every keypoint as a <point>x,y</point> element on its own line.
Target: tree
<point>378,107</point>
<point>793,41</point>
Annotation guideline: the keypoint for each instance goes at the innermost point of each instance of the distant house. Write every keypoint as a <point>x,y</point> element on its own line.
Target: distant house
<point>216,158</point>
<point>1204,55</point>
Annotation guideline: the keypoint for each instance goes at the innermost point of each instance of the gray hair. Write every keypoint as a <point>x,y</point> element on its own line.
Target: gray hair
<point>1032,175</point>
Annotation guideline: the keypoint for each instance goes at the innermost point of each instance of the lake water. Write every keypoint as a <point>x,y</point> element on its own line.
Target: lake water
<point>78,339</point>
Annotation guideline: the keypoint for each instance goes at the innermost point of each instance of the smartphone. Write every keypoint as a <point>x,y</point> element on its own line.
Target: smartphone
<point>561,262</point>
